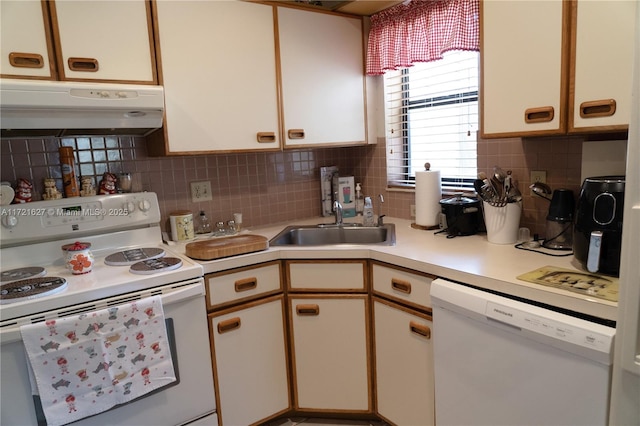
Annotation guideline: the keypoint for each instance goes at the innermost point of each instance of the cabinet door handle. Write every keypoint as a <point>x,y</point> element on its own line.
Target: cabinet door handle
<point>539,115</point>
<point>420,329</point>
<point>26,60</point>
<point>601,108</point>
<point>246,284</point>
<point>401,285</point>
<point>296,133</point>
<point>83,64</point>
<point>228,325</point>
<point>266,137</point>
<point>308,310</point>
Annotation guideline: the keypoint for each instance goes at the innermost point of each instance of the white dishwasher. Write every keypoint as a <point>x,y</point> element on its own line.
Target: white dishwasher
<point>500,361</point>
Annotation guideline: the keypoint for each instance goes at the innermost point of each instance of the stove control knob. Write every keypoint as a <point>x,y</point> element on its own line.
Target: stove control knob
<point>145,205</point>
<point>9,221</point>
<point>130,207</point>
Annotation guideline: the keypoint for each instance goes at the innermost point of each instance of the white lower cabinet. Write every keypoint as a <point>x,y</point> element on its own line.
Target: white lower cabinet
<point>250,362</point>
<point>404,364</point>
<point>330,353</point>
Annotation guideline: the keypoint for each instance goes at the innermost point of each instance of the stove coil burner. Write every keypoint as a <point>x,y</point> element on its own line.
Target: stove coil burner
<point>22,274</point>
<point>31,288</point>
<point>129,257</point>
<point>153,266</point>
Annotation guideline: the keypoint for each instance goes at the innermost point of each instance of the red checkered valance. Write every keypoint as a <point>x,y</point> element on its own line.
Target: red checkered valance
<point>421,31</point>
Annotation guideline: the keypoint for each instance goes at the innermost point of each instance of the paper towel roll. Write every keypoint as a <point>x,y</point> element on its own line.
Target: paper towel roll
<point>428,195</point>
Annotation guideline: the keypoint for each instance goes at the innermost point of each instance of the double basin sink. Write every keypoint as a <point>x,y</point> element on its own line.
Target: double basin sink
<point>330,234</point>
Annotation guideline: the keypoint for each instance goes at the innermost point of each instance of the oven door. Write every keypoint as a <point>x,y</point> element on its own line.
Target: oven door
<point>191,399</point>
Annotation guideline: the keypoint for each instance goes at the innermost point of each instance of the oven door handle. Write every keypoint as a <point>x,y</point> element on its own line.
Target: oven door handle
<point>169,294</point>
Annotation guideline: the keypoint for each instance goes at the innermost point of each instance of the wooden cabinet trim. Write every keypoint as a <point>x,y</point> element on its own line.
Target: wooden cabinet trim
<point>571,127</point>
<point>369,348</point>
<point>59,60</point>
<point>212,330</point>
<point>403,307</point>
<point>417,319</point>
<point>365,275</point>
<point>53,74</point>
<point>414,306</point>
<point>568,110</point>
<point>243,284</point>
<point>26,60</point>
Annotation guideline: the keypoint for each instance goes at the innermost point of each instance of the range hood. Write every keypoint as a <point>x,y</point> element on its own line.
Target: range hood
<point>58,108</point>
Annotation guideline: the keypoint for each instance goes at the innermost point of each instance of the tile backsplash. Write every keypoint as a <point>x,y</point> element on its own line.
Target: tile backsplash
<point>279,187</point>
<point>270,187</point>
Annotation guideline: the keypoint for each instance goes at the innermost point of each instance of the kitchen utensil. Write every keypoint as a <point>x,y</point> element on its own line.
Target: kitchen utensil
<point>499,174</point>
<point>478,185</point>
<point>462,214</point>
<point>487,186</point>
<point>597,235</point>
<point>514,194</point>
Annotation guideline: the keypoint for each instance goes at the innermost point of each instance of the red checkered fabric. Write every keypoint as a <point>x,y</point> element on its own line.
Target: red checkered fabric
<point>421,31</point>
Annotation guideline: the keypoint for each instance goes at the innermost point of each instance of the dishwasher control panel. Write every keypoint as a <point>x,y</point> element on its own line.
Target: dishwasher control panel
<point>549,327</point>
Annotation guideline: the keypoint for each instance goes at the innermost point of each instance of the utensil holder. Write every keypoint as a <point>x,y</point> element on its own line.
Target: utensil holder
<point>502,223</point>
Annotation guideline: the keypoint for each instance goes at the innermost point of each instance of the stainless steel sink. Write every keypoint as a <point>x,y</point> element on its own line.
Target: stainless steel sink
<point>321,235</point>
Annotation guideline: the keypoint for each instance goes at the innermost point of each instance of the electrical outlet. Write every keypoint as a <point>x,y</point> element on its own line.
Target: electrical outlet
<point>413,210</point>
<point>201,191</point>
<point>538,176</point>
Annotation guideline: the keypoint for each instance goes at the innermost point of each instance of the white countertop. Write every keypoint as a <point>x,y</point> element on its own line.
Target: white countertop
<point>469,259</point>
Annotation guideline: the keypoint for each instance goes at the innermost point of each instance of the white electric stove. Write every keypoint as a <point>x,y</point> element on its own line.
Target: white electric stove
<point>130,263</point>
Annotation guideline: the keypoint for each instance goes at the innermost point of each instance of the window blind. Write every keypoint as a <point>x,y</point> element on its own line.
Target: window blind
<point>431,114</point>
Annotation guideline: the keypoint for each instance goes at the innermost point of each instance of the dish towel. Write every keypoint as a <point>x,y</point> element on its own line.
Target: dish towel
<point>86,364</point>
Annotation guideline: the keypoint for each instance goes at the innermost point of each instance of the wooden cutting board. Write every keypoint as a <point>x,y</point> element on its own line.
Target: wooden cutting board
<point>216,248</point>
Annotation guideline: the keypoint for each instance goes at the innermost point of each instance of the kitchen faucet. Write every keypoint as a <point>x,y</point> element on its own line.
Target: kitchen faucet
<point>337,209</point>
<point>380,215</point>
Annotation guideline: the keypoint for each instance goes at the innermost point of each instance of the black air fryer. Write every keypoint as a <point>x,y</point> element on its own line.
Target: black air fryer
<point>597,235</point>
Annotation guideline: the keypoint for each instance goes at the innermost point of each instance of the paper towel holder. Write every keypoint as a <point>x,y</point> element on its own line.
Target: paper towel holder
<point>427,167</point>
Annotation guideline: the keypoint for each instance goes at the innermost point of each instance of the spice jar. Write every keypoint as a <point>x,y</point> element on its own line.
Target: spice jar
<point>78,257</point>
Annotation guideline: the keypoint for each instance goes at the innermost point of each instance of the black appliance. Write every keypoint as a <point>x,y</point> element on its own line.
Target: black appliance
<point>597,236</point>
<point>463,215</point>
<point>560,220</point>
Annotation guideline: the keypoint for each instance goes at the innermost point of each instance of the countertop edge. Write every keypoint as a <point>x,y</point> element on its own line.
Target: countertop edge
<point>470,259</point>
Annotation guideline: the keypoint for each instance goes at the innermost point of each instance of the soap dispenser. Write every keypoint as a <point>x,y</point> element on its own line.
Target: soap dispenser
<point>359,200</point>
<point>368,219</point>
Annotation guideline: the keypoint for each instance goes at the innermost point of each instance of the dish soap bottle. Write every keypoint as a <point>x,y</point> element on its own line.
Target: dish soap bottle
<point>368,219</point>
<point>359,200</point>
<point>204,225</point>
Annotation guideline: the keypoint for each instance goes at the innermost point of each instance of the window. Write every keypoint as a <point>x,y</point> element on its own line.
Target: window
<point>431,114</point>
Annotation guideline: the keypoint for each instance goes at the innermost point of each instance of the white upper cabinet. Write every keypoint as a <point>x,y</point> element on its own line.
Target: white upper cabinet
<point>218,69</point>
<point>24,40</point>
<point>94,40</point>
<point>104,40</point>
<point>243,76</point>
<point>522,76</point>
<point>555,67</point>
<point>602,38</point>
<point>323,88</point>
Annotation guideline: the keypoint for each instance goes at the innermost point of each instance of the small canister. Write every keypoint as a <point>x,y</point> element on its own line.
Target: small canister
<point>181,225</point>
<point>78,257</point>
